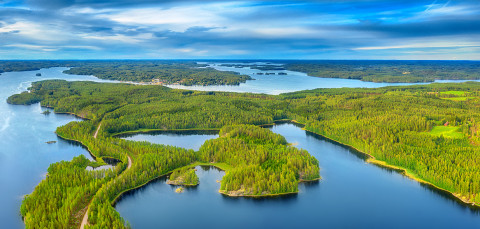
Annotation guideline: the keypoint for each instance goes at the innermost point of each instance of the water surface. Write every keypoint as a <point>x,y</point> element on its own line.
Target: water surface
<point>191,139</point>
<point>293,81</point>
<point>24,131</point>
<point>352,194</point>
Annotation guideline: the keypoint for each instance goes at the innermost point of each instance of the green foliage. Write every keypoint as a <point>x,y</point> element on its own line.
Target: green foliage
<point>163,72</point>
<point>184,176</point>
<point>263,163</point>
<point>149,71</point>
<point>393,124</point>
<point>446,131</point>
<point>24,99</point>
<point>66,190</point>
<point>389,71</point>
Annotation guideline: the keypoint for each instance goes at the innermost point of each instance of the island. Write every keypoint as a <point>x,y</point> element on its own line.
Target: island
<point>184,176</point>
<point>154,72</point>
<point>429,132</point>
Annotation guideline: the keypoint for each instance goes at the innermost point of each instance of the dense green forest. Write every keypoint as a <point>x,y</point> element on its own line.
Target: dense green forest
<point>430,130</point>
<point>191,73</point>
<point>262,162</point>
<point>184,176</point>
<point>148,71</point>
<point>163,72</point>
<point>389,70</point>
<point>149,161</point>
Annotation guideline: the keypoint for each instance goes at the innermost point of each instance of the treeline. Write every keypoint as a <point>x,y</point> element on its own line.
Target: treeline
<point>67,189</point>
<point>30,65</point>
<point>393,124</point>
<point>389,70</point>
<point>183,176</point>
<point>157,71</point>
<point>149,161</point>
<point>262,162</point>
<point>165,72</point>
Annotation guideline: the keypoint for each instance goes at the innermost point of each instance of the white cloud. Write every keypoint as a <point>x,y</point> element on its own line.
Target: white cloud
<point>441,44</point>
<point>176,19</point>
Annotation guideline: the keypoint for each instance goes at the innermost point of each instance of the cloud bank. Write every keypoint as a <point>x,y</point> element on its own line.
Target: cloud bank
<point>187,29</point>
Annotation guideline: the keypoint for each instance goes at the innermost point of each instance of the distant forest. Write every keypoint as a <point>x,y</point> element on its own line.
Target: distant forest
<point>190,73</point>
<point>151,71</point>
<point>389,71</point>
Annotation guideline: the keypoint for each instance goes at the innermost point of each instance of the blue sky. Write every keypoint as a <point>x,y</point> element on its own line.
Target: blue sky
<point>189,29</point>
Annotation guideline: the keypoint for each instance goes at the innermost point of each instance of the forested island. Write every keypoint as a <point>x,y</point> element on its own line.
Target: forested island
<point>183,176</point>
<point>189,72</point>
<point>151,71</point>
<point>430,131</point>
<point>389,71</point>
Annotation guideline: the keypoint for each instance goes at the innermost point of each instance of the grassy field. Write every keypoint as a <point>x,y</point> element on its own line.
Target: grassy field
<point>459,98</point>
<point>459,93</point>
<point>446,131</point>
<point>455,95</point>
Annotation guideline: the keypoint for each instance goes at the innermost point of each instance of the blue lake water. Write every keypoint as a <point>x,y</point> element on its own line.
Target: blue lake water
<point>352,192</point>
<point>24,131</point>
<point>185,139</point>
<point>293,81</point>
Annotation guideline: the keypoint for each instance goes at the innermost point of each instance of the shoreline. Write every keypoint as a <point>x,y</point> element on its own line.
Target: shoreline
<point>69,113</point>
<point>372,160</point>
<point>258,196</point>
<point>145,131</point>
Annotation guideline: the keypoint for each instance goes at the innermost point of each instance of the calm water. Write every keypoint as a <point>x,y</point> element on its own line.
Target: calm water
<point>363,193</point>
<point>293,81</point>
<point>185,139</point>
<point>24,155</point>
<point>352,194</point>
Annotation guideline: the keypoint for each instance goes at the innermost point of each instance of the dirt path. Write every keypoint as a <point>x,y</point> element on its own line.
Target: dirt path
<point>96,132</point>
<point>85,217</point>
<point>129,163</point>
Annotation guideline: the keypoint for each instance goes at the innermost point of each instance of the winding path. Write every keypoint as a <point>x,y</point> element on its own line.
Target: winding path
<point>85,216</point>
<point>96,132</point>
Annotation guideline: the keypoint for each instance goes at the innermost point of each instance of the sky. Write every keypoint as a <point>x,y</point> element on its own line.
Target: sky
<point>215,29</point>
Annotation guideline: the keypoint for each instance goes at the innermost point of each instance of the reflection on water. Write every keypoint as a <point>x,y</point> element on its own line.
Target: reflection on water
<point>24,131</point>
<point>352,194</point>
<point>188,139</point>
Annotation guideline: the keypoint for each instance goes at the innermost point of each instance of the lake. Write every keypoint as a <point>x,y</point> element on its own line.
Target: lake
<point>24,131</point>
<point>25,157</point>
<point>277,84</point>
<point>352,194</point>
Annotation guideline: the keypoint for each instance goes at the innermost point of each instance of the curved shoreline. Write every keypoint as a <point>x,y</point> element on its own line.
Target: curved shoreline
<point>69,113</point>
<point>220,166</point>
<point>372,160</point>
<point>146,131</point>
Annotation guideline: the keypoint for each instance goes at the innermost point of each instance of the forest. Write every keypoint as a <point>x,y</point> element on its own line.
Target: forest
<point>389,70</point>
<point>183,176</point>
<point>262,162</point>
<point>431,131</point>
<point>189,72</point>
<point>147,71</point>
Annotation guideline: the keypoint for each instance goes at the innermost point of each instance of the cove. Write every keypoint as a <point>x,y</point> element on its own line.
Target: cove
<point>24,131</point>
<point>188,139</point>
<point>352,194</point>
<point>292,81</point>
